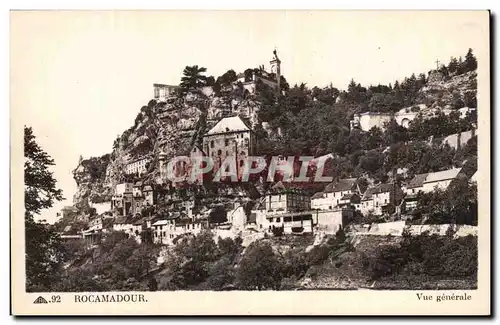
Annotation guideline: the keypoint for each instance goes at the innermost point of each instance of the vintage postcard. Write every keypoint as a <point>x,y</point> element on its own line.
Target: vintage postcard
<point>250,162</point>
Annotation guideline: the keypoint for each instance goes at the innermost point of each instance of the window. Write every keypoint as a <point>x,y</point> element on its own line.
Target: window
<point>287,219</point>
<point>219,152</point>
<point>226,142</point>
<point>278,219</point>
<point>241,163</point>
<point>212,144</point>
<point>164,233</point>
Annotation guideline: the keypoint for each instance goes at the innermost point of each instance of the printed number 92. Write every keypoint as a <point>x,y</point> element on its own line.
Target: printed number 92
<point>55,299</point>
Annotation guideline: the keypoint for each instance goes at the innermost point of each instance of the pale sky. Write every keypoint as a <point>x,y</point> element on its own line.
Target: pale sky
<point>80,78</point>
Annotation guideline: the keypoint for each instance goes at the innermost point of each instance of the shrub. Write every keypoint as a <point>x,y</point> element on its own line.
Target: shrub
<point>259,268</point>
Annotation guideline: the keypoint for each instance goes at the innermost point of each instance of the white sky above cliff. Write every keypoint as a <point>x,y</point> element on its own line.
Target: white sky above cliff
<point>80,78</point>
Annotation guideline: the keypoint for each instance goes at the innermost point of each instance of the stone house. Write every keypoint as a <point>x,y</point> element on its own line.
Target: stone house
<point>334,193</point>
<point>381,199</point>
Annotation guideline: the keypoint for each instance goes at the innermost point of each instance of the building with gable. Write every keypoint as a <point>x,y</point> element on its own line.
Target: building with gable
<point>335,193</point>
<point>381,199</point>
<point>230,137</point>
<point>428,182</point>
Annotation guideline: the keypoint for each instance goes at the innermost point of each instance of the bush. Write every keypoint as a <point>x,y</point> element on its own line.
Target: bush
<point>441,256</point>
<point>259,268</point>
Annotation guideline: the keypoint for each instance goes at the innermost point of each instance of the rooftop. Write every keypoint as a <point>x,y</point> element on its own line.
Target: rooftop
<point>229,124</point>
<point>417,181</point>
<point>345,184</point>
<point>442,175</point>
<point>380,188</point>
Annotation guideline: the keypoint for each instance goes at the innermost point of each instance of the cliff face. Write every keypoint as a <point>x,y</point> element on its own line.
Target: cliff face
<point>90,177</point>
<point>452,92</point>
<point>173,127</point>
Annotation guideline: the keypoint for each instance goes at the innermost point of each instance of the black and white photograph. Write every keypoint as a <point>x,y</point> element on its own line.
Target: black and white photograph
<point>344,152</point>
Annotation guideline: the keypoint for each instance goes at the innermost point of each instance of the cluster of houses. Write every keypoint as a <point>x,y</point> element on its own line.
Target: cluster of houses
<point>283,208</point>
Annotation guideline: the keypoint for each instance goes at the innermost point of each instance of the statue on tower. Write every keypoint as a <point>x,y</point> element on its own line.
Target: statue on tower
<point>276,67</point>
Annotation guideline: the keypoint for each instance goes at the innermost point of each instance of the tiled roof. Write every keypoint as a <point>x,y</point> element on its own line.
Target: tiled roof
<point>160,223</point>
<point>442,175</point>
<point>380,188</point>
<point>417,181</point>
<point>347,196</point>
<point>229,124</point>
<point>139,222</point>
<point>121,220</point>
<point>345,184</point>
<point>318,195</point>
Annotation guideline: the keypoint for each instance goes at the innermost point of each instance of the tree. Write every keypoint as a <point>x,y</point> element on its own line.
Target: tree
<point>193,78</point>
<point>470,61</point>
<point>40,190</point>
<point>453,65</point>
<point>43,253</point>
<point>259,268</point>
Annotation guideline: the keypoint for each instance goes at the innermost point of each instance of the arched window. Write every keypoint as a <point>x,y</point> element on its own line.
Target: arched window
<point>219,152</point>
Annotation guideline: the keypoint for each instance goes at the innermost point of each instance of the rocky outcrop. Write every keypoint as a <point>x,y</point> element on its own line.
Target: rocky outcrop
<point>173,128</point>
<point>454,92</point>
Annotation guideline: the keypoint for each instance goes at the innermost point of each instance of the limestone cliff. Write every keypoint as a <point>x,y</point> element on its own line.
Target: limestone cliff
<point>172,127</point>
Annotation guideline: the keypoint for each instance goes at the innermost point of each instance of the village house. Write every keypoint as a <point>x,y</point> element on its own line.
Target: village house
<point>167,229</point>
<point>429,182</point>
<point>284,207</point>
<point>350,200</point>
<point>440,180</point>
<point>230,137</point>
<point>335,194</point>
<point>381,199</point>
<point>412,189</point>
<point>96,227</point>
<point>123,224</point>
<point>137,166</point>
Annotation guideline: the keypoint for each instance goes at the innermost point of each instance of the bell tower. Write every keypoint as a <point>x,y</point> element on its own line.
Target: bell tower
<point>276,67</point>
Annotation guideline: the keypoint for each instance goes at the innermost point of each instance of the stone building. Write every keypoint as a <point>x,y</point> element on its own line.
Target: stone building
<point>367,120</point>
<point>137,166</point>
<point>230,137</point>
<point>334,194</point>
<point>381,199</point>
<point>162,92</point>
